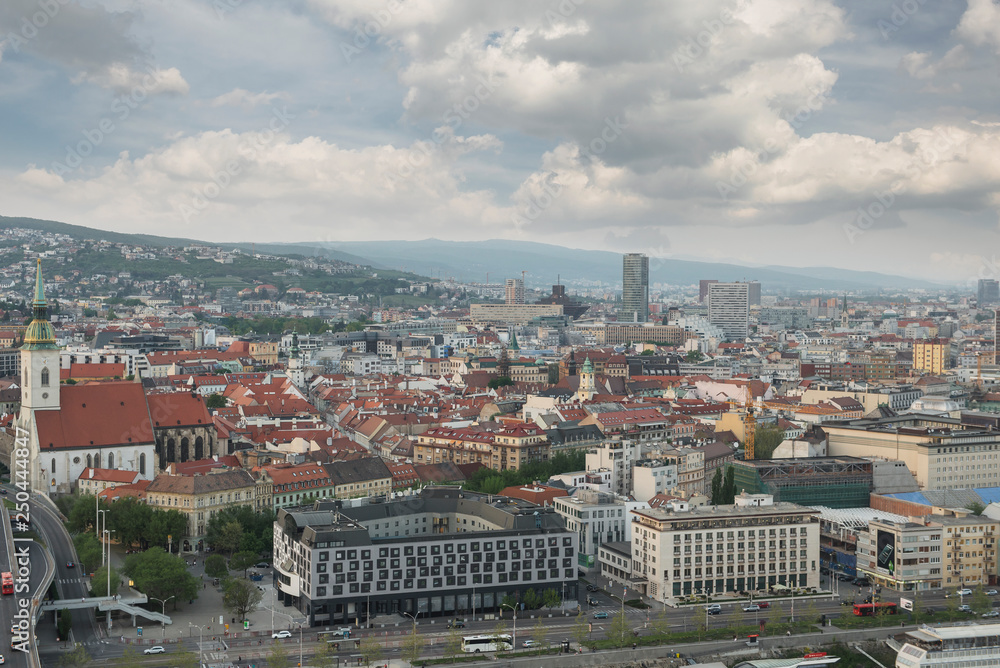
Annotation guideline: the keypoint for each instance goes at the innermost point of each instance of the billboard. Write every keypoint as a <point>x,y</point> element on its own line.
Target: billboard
<point>885,552</point>
<point>906,604</point>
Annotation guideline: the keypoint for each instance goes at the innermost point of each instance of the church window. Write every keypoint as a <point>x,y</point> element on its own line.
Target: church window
<point>97,461</point>
<point>111,460</point>
<point>142,464</point>
<point>45,377</point>
<point>53,466</point>
<point>90,462</point>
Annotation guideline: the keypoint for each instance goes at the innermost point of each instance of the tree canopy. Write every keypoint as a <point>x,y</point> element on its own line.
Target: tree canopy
<point>489,481</point>
<point>161,575</point>
<point>256,531</point>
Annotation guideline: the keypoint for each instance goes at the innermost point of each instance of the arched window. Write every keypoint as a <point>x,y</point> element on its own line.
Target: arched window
<point>111,460</point>
<point>142,464</point>
<point>45,377</point>
<point>53,466</point>
<point>97,461</point>
<point>90,462</point>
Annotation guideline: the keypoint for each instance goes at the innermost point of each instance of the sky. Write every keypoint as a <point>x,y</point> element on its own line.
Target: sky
<point>862,134</point>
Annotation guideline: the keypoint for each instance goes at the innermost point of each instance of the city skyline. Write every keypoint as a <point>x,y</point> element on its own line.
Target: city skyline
<point>821,132</point>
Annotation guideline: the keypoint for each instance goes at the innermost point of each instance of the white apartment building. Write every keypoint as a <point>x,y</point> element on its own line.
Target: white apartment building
<point>724,549</point>
<point>596,518</point>
<point>729,309</point>
<point>618,457</point>
<point>951,646</point>
<point>652,477</point>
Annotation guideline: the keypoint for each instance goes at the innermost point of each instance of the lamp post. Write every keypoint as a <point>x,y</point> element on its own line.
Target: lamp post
<point>513,637</point>
<point>108,532</point>
<point>300,645</point>
<point>97,526</point>
<point>163,623</point>
<point>201,639</point>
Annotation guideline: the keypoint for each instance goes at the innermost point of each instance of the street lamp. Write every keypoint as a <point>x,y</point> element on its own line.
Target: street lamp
<point>201,639</point>
<point>163,622</point>
<point>300,645</point>
<point>97,528</point>
<point>414,618</point>
<point>513,637</point>
<point>108,532</point>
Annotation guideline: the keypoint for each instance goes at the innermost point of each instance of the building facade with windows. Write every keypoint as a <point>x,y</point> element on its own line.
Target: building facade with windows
<point>732,548</point>
<point>438,553</point>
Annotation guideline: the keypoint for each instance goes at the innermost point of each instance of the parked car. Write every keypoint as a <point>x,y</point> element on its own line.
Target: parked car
<point>992,613</point>
<point>256,577</point>
<point>964,608</point>
<point>753,607</point>
<point>261,564</point>
<point>991,592</point>
<point>529,643</point>
<point>155,649</point>
<point>281,634</point>
<point>600,615</point>
<point>457,624</point>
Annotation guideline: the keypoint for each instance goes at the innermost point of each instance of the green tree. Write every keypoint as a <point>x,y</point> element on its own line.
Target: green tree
<point>551,598</point>
<point>532,601</point>
<point>74,659</point>
<point>729,486</point>
<point>166,523</point>
<point>88,551</point>
<point>500,629</point>
<point>413,646</point>
<point>661,623</point>
<point>499,381</point>
<point>918,608</point>
<point>161,575</point>
<point>694,356</point>
<point>619,628</point>
<point>278,656</point>
<point>540,632</point>
<point>717,483</point>
<point>699,623</point>
<point>581,628</point>
<point>775,614</point>
<point>215,566</point>
<point>185,659</point>
<point>130,519</point>
<point>65,623</point>
<point>812,612</point>
<point>766,439</point>
<point>452,643</point>
<point>371,649</point>
<point>734,620</point>
<point>130,658</point>
<point>243,561</point>
<point>241,597</point>
<point>980,602</point>
<point>215,400</point>
<point>99,583</point>
<point>229,537</point>
<point>80,513</point>
<point>976,508</point>
<point>324,657</point>
<point>952,603</point>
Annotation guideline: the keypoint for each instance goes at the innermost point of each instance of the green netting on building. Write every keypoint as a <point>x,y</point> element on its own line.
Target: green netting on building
<point>825,484</point>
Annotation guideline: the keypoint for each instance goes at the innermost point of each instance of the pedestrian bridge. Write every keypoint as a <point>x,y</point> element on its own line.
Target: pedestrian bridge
<point>128,605</point>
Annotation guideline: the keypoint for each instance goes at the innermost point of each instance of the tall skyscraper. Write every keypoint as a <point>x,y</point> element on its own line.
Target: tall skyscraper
<point>729,309</point>
<point>988,292</point>
<point>703,288</point>
<point>755,293</point>
<point>514,291</point>
<point>635,288</point>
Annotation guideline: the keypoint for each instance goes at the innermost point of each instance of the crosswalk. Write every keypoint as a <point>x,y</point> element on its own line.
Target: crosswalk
<point>69,580</point>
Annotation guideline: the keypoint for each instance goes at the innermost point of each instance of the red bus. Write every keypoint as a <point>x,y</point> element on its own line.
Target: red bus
<point>7,583</point>
<point>869,609</point>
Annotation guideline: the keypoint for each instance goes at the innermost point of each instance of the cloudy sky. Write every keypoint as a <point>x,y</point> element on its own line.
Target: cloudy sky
<point>862,134</point>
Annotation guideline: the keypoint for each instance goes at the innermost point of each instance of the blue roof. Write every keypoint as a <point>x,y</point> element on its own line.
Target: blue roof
<point>915,497</point>
<point>989,494</point>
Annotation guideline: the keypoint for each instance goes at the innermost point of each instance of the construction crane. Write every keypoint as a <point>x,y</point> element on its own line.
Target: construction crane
<point>749,426</point>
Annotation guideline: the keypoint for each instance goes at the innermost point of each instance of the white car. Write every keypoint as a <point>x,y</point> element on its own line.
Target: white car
<point>992,613</point>
<point>155,649</point>
<point>965,592</point>
<point>991,592</point>
<point>529,643</point>
<point>753,607</point>
<point>281,634</point>
<point>1,658</point>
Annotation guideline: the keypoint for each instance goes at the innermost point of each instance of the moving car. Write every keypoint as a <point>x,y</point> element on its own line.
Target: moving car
<point>70,564</point>
<point>965,592</point>
<point>529,643</point>
<point>753,607</point>
<point>713,611</point>
<point>155,649</point>
<point>593,601</point>
<point>964,608</point>
<point>991,592</point>
<point>992,613</point>
<point>591,587</point>
<point>281,634</point>
<point>763,605</point>
<point>600,615</point>
<point>261,564</point>
<point>457,624</point>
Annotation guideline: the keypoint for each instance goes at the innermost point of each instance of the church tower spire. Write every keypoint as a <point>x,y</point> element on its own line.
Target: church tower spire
<point>39,356</point>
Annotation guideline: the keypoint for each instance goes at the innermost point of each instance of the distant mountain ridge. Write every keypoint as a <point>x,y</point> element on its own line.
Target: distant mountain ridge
<point>544,264</point>
<point>471,260</point>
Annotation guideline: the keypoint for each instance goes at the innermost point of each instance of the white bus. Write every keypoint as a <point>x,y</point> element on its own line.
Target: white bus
<point>476,644</point>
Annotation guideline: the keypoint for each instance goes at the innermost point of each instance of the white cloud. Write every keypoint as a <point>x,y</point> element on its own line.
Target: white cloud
<point>240,97</point>
<point>921,65</point>
<point>124,80</point>
<point>981,23</point>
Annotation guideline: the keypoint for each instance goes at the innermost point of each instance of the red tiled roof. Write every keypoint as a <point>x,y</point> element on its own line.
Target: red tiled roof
<point>178,408</point>
<point>99,415</point>
<point>109,475</point>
